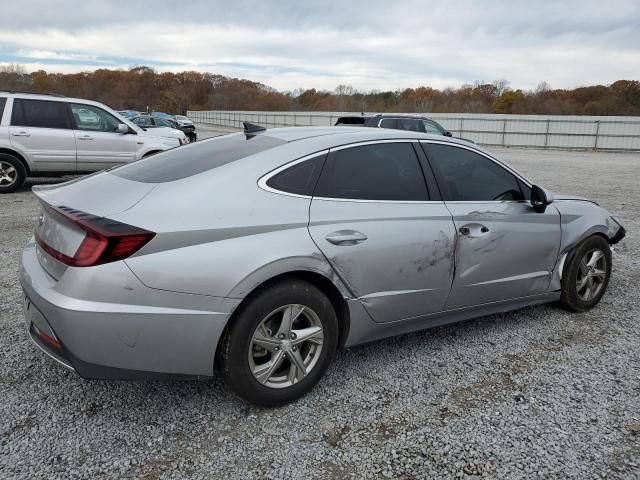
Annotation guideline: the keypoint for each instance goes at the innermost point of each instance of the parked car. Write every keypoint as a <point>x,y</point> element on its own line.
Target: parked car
<point>398,122</point>
<point>188,126</point>
<point>183,119</point>
<point>128,113</point>
<point>261,253</point>
<point>149,121</point>
<point>53,135</point>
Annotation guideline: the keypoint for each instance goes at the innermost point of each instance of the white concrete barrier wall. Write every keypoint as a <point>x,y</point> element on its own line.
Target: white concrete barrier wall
<point>531,131</point>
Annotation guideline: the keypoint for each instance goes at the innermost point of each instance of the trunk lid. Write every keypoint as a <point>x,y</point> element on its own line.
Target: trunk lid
<point>100,194</point>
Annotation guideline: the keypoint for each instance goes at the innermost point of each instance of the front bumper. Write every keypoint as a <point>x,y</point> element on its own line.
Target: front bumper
<point>109,325</point>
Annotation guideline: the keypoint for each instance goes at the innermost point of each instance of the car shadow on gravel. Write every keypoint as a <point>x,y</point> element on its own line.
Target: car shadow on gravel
<point>379,361</point>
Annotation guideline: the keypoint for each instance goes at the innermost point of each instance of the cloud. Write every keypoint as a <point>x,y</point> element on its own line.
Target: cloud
<point>370,45</point>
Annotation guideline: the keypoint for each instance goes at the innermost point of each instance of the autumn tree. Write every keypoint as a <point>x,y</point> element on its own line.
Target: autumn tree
<point>141,87</point>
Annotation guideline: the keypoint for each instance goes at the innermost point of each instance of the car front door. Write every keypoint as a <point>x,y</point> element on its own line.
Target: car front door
<point>99,144</point>
<point>505,249</point>
<point>389,240</point>
<point>41,130</point>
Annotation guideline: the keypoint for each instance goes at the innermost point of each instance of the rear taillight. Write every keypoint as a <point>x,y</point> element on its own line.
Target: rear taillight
<point>105,240</point>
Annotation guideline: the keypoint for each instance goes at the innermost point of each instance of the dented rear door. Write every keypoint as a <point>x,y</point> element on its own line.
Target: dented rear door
<point>403,268</point>
<point>372,218</point>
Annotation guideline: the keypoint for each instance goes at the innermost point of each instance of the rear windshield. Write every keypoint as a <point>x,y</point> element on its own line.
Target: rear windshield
<point>183,162</point>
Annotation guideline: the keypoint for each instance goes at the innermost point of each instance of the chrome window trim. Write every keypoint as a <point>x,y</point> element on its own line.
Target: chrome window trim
<point>494,160</point>
<point>262,182</point>
<point>360,200</point>
<point>475,202</point>
<point>374,142</point>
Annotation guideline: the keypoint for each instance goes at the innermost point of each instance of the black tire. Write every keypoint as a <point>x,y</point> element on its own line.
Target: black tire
<point>19,173</point>
<point>575,298</point>
<point>236,345</point>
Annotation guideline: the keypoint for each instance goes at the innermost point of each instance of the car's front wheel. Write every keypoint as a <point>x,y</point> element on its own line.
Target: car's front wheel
<point>586,277</point>
<point>280,343</point>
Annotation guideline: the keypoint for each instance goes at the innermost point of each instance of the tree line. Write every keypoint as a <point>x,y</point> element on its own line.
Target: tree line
<point>142,88</point>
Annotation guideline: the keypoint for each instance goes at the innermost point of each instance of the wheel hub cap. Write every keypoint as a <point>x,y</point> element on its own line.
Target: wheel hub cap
<point>592,272</point>
<point>286,346</point>
<point>8,174</point>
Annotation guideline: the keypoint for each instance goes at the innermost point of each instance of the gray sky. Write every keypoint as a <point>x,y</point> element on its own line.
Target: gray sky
<point>367,44</point>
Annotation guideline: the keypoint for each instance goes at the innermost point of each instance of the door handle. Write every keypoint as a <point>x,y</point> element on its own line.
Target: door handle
<point>85,137</point>
<point>21,134</point>
<point>346,237</point>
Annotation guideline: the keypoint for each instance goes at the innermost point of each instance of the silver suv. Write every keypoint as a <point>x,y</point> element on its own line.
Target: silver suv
<point>54,135</point>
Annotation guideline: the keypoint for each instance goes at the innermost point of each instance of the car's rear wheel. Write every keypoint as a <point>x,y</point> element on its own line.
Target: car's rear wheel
<point>587,276</point>
<point>280,343</point>
<point>12,173</point>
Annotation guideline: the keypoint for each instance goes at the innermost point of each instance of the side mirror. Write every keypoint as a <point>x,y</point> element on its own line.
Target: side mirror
<point>447,134</point>
<point>540,198</point>
<point>122,128</point>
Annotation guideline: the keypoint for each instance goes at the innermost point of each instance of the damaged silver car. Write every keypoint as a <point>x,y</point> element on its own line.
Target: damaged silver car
<point>260,254</point>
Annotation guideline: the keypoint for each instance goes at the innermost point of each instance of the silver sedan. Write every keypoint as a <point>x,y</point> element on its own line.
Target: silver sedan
<point>260,254</point>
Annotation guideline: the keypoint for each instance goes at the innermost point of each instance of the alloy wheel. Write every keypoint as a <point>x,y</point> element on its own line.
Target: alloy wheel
<point>286,346</point>
<point>592,273</point>
<point>8,174</point>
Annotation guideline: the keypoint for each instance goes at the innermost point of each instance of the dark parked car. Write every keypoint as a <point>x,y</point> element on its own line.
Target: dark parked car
<point>151,121</point>
<point>398,122</point>
<point>187,127</point>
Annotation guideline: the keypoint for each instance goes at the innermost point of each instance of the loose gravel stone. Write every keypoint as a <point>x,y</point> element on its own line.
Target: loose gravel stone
<point>537,393</point>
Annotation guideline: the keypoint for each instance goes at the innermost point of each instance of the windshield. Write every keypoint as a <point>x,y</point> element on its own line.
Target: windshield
<point>160,122</point>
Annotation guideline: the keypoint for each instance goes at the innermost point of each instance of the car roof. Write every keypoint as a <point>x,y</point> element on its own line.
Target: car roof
<point>55,98</point>
<point>389,115</point>
<point>349,134</point>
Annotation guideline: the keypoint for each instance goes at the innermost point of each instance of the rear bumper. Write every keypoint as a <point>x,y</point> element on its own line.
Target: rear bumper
<point>109,325</point>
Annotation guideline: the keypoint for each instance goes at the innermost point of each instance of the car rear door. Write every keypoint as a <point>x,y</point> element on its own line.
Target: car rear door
<point>99,144</point>
<point>373,218</point>
<point>505,249</point>
<point>41,129</point>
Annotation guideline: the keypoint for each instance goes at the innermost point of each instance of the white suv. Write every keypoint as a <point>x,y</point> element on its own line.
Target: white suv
<point>47,135</point>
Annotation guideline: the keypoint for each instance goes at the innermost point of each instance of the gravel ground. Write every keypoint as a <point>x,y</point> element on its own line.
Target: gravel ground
<point>537,393</point>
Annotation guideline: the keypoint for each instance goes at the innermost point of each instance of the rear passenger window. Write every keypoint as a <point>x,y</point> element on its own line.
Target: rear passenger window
<point>300,178</point>
<point>383,171</point>
<point>40,113</point>
<point>467,176</point>
<point>3,101</point>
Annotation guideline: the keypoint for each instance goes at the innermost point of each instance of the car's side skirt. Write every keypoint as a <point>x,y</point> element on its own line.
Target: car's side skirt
<point>364,329</point>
